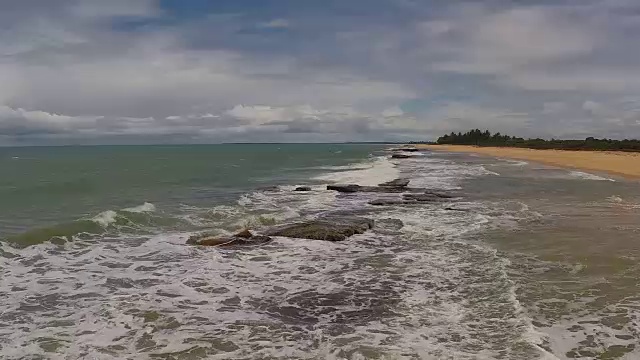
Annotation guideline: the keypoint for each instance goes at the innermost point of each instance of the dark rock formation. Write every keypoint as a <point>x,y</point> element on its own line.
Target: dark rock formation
<point>303,188</point>
<point>401,183</point>
<point>388,202</point>
<point>242,238</point>
<point>422,197</point>
<point>407,149</point>
<point>246,234</point>
<point>400,156</point>
<point>353,188</point>
<point>329,229</point>
<point>411,198</point>
<point>441,195</point>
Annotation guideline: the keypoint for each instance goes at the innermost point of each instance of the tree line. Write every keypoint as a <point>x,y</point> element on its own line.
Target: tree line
<point>486,138</point>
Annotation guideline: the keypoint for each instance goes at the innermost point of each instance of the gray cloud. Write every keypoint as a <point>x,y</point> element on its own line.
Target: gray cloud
<point>89,71</point>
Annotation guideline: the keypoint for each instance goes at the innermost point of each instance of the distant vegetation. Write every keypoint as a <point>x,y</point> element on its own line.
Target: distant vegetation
<point>486,138</point>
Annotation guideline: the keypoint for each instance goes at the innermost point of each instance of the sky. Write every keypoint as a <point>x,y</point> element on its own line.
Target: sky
<point>211,71</point>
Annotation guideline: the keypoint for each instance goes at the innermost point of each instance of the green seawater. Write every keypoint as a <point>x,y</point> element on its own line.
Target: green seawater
<point>53,191</point>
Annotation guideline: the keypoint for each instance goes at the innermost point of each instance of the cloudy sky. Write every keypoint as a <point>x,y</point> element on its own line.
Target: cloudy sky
<point>200,71</point>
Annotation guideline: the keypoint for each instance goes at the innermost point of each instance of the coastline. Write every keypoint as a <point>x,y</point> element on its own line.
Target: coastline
<point>613,162</point>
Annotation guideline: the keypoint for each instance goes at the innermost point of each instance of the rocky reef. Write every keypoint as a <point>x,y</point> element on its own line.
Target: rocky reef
<point>243,238</point>
<point>336,227</point>
<point>329,229</point>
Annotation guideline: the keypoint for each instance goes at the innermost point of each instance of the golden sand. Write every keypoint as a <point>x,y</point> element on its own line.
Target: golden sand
<point>621,163</point>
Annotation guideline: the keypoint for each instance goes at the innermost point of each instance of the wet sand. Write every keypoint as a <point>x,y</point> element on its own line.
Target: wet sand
<point>626,164</point>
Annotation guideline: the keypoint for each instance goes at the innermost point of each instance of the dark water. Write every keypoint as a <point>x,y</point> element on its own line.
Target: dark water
<point>531,262</point>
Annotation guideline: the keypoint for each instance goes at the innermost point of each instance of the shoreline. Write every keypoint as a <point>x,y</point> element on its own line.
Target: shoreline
<point>624,164</point>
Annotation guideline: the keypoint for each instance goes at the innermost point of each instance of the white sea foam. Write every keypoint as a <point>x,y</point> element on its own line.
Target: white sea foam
<point>489,172</point>
<point>378,170</point>
<point>588,176</point>
<point>438,173</point>
<point>516,162</point>
<point>105,218</point>
<point>615,199</point>
<point>146,207</point>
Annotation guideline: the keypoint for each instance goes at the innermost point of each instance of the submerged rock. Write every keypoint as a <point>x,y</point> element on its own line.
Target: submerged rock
<point>396,183</point>
<point>273,188</point>
<point>328,229</point>
<point>389,224</point>
<point>412,198</point>
<point>389,202</point>
<point>242,238</point>
<point>303,188</point>
<point>422,197</point>
<point>441,195</point>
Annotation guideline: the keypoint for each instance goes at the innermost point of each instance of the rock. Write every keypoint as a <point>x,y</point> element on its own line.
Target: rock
<point>303,188</point>
<point>225,241</point>
<point>454,209</point>
<point>273,188</point>
<point>396,183</point>
<point>389,224</point>
<point>400,156</point>
<point>440,195</point>
<point>421,197</point>
<point>405,148</point>
<point>329,229</point>
<point>390,227</point>
<point>412,198</point>
<point>388,202</point>
<point>246,234</point>
<point>351,188</point>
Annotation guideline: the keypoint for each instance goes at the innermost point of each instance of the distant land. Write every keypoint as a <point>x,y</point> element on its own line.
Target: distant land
<point>486,138</point>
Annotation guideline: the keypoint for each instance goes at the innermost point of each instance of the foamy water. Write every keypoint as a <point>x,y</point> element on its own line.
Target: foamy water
<point>587,176</point>
<point>429,287</point>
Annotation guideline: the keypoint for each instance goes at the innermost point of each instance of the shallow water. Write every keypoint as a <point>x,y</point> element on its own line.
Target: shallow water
<point>531,262</point>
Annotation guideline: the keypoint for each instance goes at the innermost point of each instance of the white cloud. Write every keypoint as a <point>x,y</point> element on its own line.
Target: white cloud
<point>521,68</point>
<point>541,48</point>
<point>509,41</point>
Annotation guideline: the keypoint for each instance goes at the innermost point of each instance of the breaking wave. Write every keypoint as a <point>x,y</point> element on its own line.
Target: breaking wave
<point>588,176</point>
<point>105,222</point>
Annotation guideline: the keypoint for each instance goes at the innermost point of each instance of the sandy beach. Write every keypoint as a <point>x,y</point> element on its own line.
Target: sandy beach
<point>626,164</point>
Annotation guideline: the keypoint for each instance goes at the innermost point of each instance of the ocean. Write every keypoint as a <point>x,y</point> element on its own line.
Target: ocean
<point>528,261</point>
